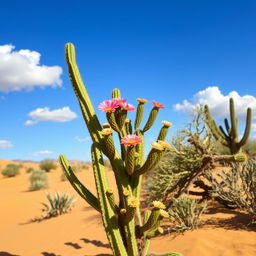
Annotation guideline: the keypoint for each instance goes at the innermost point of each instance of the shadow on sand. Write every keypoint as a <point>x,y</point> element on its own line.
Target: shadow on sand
<point>49,254</point>
<point>96,243</point>
<point>7,254</point>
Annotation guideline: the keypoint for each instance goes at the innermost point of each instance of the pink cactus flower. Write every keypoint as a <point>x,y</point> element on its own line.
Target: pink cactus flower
<point>119,100</point>
<point>108,106</point>
<point>126,106</point>
<point>131,140</point>
<point>158,105</point>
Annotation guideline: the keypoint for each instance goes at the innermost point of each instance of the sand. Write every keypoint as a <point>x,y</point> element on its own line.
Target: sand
<point>80,233</point>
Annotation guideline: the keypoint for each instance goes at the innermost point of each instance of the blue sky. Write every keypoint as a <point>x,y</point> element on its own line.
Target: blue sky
<point>179,53</point>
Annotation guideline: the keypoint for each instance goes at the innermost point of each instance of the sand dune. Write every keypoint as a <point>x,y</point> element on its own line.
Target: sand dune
<point>80,232</point>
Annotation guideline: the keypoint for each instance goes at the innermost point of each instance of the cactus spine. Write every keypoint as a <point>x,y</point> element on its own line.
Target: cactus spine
<point>229,138</point>
<point>121,219</point>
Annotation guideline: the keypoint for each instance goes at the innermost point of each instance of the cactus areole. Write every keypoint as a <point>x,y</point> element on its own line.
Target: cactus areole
<point>128,232</point>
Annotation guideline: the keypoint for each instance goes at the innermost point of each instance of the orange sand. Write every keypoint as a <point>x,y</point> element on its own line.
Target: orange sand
<point>80,232</point>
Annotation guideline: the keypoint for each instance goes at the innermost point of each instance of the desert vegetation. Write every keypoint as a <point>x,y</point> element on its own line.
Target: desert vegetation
<point>38,180</point>
<point>58,204</point>
<point>11,170</point>
<point>47,165</point>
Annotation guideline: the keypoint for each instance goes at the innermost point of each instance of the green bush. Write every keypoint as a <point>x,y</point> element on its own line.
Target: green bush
<point>185,214</point>
<point>29,169</point>
<point>237,187</point>
<point>47,165</point>
<point>177,167</point>
<point>58,204</point>
<point>11,170</point>
<point>38,180</point>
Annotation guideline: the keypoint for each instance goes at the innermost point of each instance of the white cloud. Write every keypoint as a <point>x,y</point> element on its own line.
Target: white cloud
<point>219,103</point>
<point>5,144</point>
<point>42,153</point>
<point>77,138</point>
<point>46,115</point>
<point>30,122</point>
<point>22,70</point>
<point>254,127</point>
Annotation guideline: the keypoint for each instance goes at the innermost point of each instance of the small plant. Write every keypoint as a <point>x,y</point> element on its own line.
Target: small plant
<point>38,180</point>
<point>237,187</point>
<point>29,169</point>
<point>47,165</point>
<point>11,170</point>
<point>58,204</point>
<point>185,214</point>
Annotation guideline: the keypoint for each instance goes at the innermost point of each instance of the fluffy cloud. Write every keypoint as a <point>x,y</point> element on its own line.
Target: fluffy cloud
<point>77,138</point>
<point>46,115</point>
<point>5,144</point>
<point>219,103</point>
<point>254,127</point>
<point>42,153</point>
<point>22,70</point>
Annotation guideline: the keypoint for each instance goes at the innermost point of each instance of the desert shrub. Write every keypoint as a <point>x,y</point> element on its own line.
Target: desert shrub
<point>47,165</point>
<point>237,187</point>
<point>58,204</point>
<point>178,165</point>
<point>38,180</point>
<point>185,214</point>
<point>85,166</point>
<point>29,169</point>
<point>11,170</point>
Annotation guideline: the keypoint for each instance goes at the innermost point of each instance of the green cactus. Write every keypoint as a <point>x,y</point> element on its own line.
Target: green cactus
<point>230,137</point>
<point>121,219</point>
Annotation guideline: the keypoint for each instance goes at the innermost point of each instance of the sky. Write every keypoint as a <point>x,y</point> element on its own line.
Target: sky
<point>178,53</point>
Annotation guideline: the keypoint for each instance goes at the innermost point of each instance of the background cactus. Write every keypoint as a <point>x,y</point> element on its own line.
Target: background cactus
<point>230,137</point>
<point>122,219</point>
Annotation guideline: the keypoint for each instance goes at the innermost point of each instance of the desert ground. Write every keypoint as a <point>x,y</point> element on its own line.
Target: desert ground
<point>80,233</point>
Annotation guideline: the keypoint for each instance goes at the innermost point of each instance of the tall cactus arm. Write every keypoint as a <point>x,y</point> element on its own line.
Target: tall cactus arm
<point>224,133</point>
<point>247,128</point>
<point>78,186</point>
<point>214,128</point>
<point>227,126</point>
<point>107,213</point>
<point>89,115</point>
<point>233,119</point>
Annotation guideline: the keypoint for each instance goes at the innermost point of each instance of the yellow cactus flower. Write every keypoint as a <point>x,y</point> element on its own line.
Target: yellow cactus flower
<point>141,100</point>
<point>126,192</point>
<point>123,211</point>
<point>164,213</point>
<point>164,144</point>
<point>160,230</point>
<point>133,202</point>
<point>158,204</point>
<point>166,123</point>
<point>107,131</point>
<point>157,146</point>
<point>106,125</point>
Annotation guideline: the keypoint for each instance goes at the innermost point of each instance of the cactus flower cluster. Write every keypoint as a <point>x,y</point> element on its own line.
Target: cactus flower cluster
<point>128,230</point>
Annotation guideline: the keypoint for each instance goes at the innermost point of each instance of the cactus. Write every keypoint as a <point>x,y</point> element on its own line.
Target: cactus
<point>125,229</point>
<point>230,137</point>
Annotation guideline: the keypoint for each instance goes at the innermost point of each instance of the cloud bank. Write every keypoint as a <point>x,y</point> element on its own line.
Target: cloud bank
<point>42,153</point>
<point>5,144</point>
<point>22,70</point>
<point>64,114</point>
<point>219,103</point>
